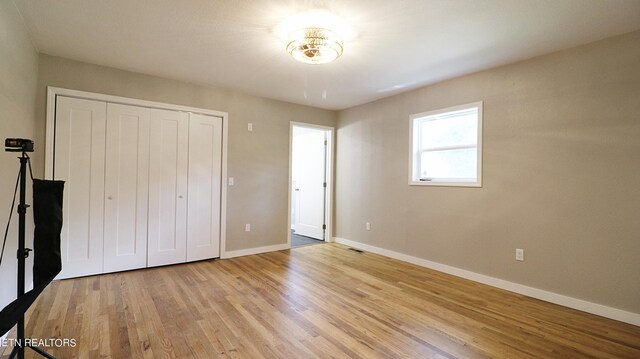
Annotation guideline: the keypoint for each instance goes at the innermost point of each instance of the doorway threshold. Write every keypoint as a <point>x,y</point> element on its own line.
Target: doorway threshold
<point>300,241</point>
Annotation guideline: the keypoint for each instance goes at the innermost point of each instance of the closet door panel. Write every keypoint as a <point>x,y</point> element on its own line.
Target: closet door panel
<point>205,159</point>
<point>126,187</point>
<point>169,143</point>
<point>79,157</point>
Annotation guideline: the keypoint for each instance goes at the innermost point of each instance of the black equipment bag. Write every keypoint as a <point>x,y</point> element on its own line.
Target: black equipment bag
<point>47,217</point>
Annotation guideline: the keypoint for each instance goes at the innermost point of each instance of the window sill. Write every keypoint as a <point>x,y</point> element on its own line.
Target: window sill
<point>446,184</point>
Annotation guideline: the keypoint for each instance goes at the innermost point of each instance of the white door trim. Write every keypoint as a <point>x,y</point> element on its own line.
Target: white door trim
<point>330,161</point>
<point>53,92</point>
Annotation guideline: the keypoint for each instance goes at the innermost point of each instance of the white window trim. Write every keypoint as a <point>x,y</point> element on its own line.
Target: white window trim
<point>414,152</point>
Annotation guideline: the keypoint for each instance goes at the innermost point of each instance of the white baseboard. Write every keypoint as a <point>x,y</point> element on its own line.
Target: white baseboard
<point>579,304</point>
<point>257,250</point>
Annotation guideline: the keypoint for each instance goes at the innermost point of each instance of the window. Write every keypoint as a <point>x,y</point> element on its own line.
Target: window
<point>446,147</point>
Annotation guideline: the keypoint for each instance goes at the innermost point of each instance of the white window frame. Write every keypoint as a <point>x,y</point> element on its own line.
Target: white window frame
<point>415,149</point>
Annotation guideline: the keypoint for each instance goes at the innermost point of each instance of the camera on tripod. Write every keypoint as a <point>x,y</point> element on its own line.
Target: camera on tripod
<point>18,145</point>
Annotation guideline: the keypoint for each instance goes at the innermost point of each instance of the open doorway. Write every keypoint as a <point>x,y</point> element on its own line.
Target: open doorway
<point>310,187</point>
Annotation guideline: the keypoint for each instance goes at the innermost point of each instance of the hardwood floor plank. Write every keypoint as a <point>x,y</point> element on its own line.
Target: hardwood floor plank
<point>321,301</point>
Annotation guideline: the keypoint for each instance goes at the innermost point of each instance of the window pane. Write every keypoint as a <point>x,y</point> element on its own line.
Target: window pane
<point>450,131</point>
<point>449,164</point>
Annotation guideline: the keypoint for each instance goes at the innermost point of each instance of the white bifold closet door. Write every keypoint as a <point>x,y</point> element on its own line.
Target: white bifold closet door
<point>143,185</point>
<point>169,144</point>
<point>126,183</point>
<point>205,157</point>
<point>79,154</point>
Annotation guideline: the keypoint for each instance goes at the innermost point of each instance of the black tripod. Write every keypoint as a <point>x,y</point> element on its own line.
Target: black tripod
<point>23,253</point>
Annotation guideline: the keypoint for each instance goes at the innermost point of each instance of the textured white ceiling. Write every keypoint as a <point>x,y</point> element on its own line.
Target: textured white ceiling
<point>391,46</point>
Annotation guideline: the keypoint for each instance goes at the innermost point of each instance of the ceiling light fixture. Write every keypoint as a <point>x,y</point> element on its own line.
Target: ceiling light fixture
<point>315,45</point>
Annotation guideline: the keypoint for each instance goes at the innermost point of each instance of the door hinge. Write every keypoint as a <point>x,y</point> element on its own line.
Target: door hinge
<point>324,184</point>
<point>325,142</point>
<point>324,226</point>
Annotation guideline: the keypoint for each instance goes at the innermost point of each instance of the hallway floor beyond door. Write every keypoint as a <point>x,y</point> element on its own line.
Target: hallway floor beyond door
<point>298,240</point>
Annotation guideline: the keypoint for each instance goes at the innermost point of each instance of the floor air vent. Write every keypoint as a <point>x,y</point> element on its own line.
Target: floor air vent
<point>355,250</point>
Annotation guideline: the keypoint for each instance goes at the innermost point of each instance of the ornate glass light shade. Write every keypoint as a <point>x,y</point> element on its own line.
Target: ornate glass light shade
<point>315,45</point>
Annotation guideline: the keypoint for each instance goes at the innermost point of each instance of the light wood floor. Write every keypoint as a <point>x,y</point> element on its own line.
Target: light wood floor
<point>316,301</point>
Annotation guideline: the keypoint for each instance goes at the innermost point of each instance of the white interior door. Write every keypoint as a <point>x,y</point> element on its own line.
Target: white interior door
<point>126,187</point>
<point>79,157</point>
<point>205,170</point>
<point>309,165</point>
<point>168,156</point>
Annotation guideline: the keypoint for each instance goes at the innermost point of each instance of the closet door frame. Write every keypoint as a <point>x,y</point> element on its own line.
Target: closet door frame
<point>53,92</point>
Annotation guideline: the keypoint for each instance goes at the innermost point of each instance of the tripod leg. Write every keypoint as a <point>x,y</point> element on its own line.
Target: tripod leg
<point>14,352</point>
<point>22,253</point>
<point>41,352</point>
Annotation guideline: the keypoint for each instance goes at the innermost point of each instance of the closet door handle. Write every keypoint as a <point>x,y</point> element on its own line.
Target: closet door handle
<point>109,198</point>
<point>180,196</point>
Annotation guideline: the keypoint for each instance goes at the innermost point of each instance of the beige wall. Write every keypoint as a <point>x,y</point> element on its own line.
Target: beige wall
<point>18,77</point>
<point>561,175</point>
<point>258,160</point>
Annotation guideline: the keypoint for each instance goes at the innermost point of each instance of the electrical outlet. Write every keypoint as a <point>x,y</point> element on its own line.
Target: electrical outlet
<point>247,227</point>
<point>249,126</point>
<point>230,181</point>
<point>367,226</point>
<point>520,254</point>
